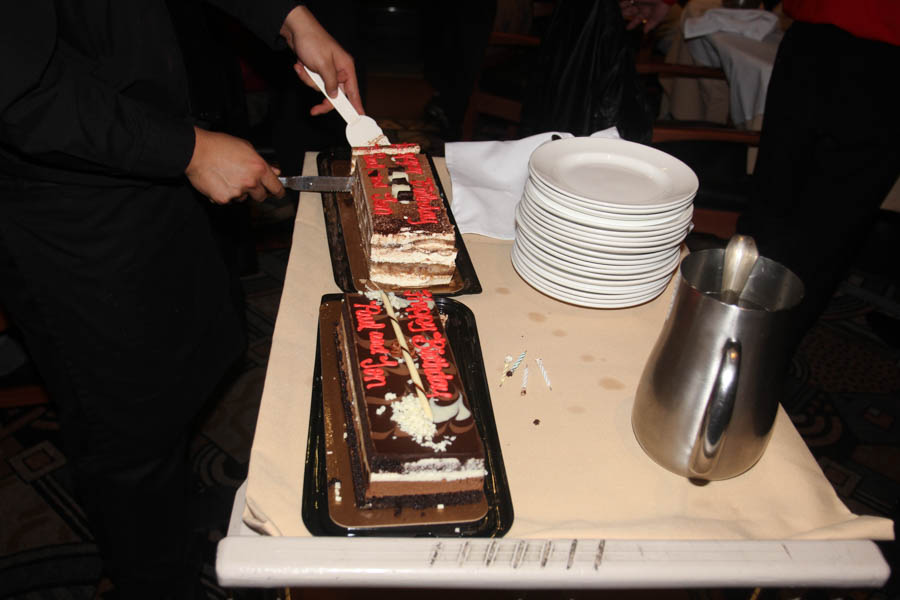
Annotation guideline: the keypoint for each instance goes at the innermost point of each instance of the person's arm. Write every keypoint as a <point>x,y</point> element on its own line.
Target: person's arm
<point>225,168</point>
<point>54,112</point>
<point>279,22</point>
<point>316,49</point>
<point>648,13</point>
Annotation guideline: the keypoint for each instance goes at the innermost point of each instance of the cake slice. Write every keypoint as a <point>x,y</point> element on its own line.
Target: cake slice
<point>407,236</point>
<point>400,455</point>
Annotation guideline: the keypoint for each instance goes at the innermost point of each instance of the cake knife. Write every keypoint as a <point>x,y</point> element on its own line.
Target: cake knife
<point>361,130</point>
<point>316,183</point>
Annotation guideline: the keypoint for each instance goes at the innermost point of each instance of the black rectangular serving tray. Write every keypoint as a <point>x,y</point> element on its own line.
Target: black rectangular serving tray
<point>463,336</point>
<point>340,262</point>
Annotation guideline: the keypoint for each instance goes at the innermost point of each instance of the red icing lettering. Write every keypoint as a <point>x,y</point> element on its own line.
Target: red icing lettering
<point>428,202</point>
<point>379,180</point>
<point>381,203</point>
<point>373,161</point>
<point>419,313</point>
<point>431,351</point>
<point>410,162</point>
<point>373,368</point>
<point>373,372</point>
<point>376,343</point>
<point>365,316</point>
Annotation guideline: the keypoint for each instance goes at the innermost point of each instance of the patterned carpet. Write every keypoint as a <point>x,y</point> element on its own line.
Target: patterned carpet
<point>843,397</point>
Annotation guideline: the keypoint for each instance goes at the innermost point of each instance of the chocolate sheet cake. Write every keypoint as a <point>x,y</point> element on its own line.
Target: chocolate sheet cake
<point>410,446</point>
<point>406,233</point>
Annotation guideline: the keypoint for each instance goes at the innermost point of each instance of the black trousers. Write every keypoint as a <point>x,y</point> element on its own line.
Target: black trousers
<point>126,308</point>
<point>828,155</point>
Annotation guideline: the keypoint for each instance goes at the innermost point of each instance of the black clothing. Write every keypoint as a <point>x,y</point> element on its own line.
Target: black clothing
<point>584,79</point>
<point>454,53</point>
<point>107,262</point>
<point>828,156</point>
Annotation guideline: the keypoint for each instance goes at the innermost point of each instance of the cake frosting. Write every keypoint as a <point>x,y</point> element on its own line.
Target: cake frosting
<point>407,235</point>
<point>410,445</point>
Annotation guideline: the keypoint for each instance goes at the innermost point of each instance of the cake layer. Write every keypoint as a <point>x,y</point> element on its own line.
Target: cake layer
<point>410,274</point>
<point>401,215</point>
<point>400,453</point>
<point>397,249</point>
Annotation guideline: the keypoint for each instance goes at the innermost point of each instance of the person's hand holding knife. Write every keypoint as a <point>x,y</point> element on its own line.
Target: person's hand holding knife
<point>225,168</point>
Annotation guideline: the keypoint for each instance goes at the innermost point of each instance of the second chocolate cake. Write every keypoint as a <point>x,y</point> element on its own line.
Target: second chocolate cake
<point>413,440</point>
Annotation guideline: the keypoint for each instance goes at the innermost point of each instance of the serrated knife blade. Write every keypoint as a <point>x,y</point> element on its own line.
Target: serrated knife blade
<point>317,183</point>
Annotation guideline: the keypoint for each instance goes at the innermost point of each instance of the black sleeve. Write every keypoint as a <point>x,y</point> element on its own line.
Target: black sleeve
<point>264,19</point>
<point>54,112</point>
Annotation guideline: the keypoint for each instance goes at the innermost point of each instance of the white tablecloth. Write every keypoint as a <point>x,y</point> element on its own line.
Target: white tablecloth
<point>573,464</point>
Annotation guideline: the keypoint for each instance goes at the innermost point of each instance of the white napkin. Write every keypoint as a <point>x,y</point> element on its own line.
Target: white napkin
<point>488,179</point>
<point>755,24</point>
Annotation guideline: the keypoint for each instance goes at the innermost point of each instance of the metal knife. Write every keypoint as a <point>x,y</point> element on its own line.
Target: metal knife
<point>315,183</point>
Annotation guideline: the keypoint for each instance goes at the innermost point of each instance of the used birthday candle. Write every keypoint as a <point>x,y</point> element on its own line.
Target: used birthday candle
<point>540,364</point>
<point>506,361</point>
<point>514,366</point>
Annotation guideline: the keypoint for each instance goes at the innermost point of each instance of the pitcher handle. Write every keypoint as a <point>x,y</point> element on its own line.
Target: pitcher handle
<point>719,408</point>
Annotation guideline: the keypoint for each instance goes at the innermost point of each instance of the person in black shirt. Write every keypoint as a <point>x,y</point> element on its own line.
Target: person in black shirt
<point>107,263</point>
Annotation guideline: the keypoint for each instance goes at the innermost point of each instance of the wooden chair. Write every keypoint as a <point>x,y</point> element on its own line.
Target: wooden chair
<point>506,54</point>
<point>649,64</point>
<point>487,103</point>
<point>712,213</point>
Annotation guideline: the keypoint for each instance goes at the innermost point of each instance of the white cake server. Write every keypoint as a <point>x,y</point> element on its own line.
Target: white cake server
<point>361,130</point>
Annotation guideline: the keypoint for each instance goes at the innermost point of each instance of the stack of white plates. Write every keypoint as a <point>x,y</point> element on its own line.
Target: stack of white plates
<point>601,221</point>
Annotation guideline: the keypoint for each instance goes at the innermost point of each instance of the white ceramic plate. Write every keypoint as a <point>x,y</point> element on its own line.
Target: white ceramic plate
<point>589,301</point>
<point>587,285</point>
<point>599,271</point>
<point>590,251</point>
<point>623,215</point>
<point>597,239</point>
<point>574,290</point>
<point>578,264</point>
<point>564,215</point>
<point>613,172</point>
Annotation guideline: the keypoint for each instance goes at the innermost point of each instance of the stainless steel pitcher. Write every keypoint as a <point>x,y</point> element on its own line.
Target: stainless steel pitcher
<point>707,398</point>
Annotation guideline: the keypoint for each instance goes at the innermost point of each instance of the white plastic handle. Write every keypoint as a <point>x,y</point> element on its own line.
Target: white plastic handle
<point>361,130</point>
<point>340,103</point>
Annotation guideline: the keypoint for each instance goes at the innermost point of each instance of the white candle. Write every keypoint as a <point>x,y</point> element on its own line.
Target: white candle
<point>540,364</point>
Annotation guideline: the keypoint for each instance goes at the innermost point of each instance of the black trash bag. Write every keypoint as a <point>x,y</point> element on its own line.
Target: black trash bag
<point>584,79</point>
